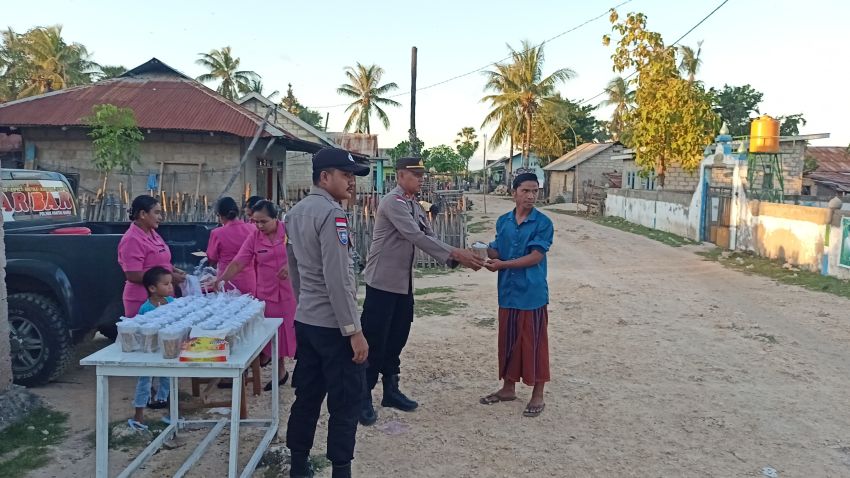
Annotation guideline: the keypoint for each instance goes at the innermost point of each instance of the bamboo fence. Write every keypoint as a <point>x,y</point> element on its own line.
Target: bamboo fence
<point>449,223</point>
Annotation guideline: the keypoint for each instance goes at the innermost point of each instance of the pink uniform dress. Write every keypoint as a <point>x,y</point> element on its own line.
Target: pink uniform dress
<point>269,257</point>
<point>224,244</point>
<point>138,252</point>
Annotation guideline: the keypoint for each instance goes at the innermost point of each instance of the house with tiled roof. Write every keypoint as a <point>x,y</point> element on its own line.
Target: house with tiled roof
<point>194,140</point>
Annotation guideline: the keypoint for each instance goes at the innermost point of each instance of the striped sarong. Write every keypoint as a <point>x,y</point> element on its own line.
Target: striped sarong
<point>524,345</point>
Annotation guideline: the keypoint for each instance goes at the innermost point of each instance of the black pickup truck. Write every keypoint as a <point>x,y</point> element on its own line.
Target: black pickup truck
<point>62,273</point>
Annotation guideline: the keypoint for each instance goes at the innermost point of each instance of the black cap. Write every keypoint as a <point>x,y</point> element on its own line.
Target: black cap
<point>336,158</point>
<point>411,164</point>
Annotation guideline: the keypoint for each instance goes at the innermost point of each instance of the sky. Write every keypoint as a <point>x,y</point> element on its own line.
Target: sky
<point>789,50</point>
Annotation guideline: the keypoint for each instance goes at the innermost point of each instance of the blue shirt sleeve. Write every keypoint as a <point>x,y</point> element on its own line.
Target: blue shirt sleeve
<point>146,307</point>
<point>541,240</point>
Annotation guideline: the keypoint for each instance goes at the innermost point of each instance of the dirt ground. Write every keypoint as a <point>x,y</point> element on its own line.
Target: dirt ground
<point>662,365</point>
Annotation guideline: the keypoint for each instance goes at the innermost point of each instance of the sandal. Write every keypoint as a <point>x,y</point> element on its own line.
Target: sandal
<point>158,404</point>
<point>495,398</point>
<point>137,426</point>
<point>533,411</point>
<point>280,382</point>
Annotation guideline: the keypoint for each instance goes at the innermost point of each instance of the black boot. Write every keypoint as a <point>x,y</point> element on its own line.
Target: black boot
<point>393,396</point>
<point>300,466</point>
<point>368,416</point>
<point>341,471</point>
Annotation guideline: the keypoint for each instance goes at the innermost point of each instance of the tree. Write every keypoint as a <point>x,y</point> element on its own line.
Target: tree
<point>107,72</point>
<point>466,144</point>
<point>40,61</point>
<point>224,67</point>
<point>256,86</point>
<point>443,159</point>
<point>810,164</point>
<point>623,99</point>
<point>115,139</point>
<point>690,61</point>
<point>561,126</point>
<point>291,104</point>
<point>790,125</point>
<point>735,105</point>
<point>519,90</point>
<point>672,121</point>
<point>364,86</point>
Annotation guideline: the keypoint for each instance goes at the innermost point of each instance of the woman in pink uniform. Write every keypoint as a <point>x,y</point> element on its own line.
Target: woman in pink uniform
<point>266,247</point>
<point>142,248</point>
<point>225,242</point>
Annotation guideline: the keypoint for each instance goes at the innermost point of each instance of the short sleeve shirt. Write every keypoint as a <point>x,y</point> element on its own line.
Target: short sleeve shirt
<point>138,252</point>
<point>523,289</point>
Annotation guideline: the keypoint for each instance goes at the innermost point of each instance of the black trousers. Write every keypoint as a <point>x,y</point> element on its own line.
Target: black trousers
<point>324,367</point>
<point>386,322</point>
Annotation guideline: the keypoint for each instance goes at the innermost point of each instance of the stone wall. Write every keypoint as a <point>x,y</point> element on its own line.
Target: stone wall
<point>669,211</point>
<point>592,169</point>
<point>71,152</point>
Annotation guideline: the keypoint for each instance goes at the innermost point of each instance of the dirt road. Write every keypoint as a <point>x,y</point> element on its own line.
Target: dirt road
<point>662,365</point>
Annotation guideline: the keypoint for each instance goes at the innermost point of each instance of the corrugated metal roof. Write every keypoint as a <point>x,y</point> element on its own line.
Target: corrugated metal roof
<point>360,143</point>
<point>577,156</point>
<point>836,180</point>
<point>830,158</point>
<point>173,104</point>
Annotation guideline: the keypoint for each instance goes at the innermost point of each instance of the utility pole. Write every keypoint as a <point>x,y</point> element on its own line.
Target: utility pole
<point>414,141</point>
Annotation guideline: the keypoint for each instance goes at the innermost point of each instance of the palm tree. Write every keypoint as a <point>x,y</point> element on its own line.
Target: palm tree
<point>107,72</point>
<point>224,67</point>
<point>257,86</point>
<point>51,63</point>
<point>364,87</point>
<point>519,91</point>
<point>619,95</point>
<point>690,61</point>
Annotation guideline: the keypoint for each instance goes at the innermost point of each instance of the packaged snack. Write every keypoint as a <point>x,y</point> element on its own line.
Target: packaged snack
<point>128,336</point>
<point>205,349</point>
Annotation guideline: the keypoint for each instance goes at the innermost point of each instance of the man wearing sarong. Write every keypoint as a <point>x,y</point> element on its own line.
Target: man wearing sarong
<point>523,237</point>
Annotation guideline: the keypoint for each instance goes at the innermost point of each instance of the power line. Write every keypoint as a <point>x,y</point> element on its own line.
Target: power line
<point>457,77</point>
<point>724,2</point>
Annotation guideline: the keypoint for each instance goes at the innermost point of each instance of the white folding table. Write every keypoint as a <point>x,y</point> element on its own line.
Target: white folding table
<point>112,362</point>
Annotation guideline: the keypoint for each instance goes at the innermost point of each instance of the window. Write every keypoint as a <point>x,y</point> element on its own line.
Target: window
<point>630,179</point>
<point>649,181</point>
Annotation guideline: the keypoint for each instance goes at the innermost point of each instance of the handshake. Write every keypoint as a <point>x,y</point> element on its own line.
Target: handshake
<point>476,258</point>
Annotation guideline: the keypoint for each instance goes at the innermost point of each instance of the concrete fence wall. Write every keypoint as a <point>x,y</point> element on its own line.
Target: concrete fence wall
<point>795,234</point>
<point>667,211</point>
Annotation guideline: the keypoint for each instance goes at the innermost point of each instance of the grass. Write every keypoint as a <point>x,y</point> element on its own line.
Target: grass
<point>751,264</point>
<point>623,225</point>
<point>23,446</point>
<point>477,227</point>
<point>442,306</point>
<point>434,290</point>
<point>431,272</point>
<point>485,322</point>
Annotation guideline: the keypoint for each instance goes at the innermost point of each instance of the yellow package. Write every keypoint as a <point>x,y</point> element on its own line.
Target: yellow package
<point>205,349</point>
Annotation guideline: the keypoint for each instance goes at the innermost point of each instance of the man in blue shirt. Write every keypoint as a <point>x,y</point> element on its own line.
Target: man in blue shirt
<point>523,237</point>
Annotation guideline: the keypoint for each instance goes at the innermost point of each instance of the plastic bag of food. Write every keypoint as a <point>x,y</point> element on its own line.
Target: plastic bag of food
<point>128,336</point>
<point>150,335</point>
<point>171,340</point>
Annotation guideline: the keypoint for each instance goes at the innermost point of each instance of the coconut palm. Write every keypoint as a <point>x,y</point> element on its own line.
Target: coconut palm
<point>690,61</point>
<point>107,72</point>
<point>224,67</point>
<point>51,63</point>
<point>257,86</point>
<point>519,90</point>
<point>364,86</point>
<point>620,96</point>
